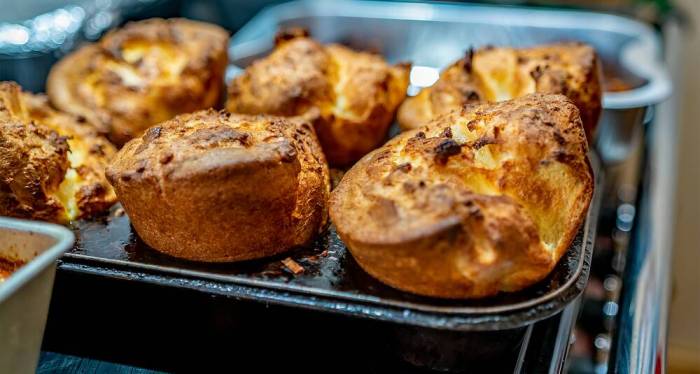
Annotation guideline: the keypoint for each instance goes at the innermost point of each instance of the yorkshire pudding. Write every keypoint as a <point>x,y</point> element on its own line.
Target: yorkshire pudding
<point>350,96</point>
<point>142,74</point>
<point>497,74</point>
<point>51,163</point>
<point>481,200</point>
<point>218,187</point>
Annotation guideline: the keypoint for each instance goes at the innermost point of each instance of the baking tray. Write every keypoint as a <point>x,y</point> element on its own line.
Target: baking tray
<point>332,281</point>
<point>432,36</point>
<point>424,332</point>
<point>435,35</point>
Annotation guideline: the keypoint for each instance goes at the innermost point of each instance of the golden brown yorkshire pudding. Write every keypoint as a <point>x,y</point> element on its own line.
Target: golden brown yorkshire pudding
<point>142,74</point>
<point>51,163</point>
<point>214,186</point>
<point>352,96</point>
<point>480,200</point>
<point>497,74</point>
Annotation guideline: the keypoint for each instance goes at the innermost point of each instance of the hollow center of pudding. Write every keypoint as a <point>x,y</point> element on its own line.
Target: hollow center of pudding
<point>494,169</point>
<point>148,63</point>
<point>538,194</point>
<point>500,76</point>
<point>67,191</point>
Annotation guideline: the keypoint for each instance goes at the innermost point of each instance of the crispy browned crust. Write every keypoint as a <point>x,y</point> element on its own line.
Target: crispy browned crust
<point>39,148</point>
<point>496,74</point>
<point>142,74</point>
<point>481,200</point>
<point>214,186</point>
<point>351,95</point>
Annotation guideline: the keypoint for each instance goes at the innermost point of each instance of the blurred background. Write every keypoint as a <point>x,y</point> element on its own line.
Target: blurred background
<point>684,337</point>
<point>35,33</point>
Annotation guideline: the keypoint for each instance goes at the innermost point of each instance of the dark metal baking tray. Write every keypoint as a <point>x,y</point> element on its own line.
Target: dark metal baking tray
<point>332,281</point>
<point>426,332</point>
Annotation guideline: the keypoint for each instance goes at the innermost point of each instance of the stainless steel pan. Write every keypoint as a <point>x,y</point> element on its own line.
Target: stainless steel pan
<point>434,35</point>
<point>25,295</point>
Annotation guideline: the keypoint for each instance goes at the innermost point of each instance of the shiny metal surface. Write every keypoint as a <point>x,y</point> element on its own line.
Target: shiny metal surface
<point>25,295</point>
<point>640,338</point>
<point>418,33</point>
<point>35,33</point>
<point>639,345</point>
<point>46,31</point>
<point>561,344</point>
<point>433,35</point>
